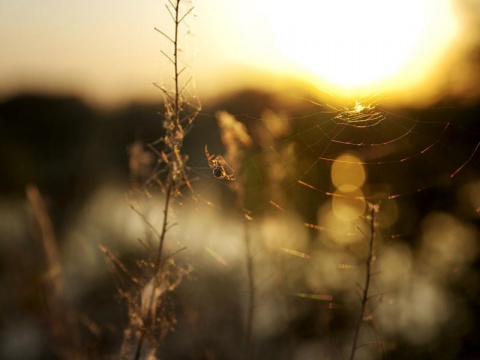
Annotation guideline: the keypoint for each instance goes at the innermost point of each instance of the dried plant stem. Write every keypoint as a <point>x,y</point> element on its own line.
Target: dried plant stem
<point>168,195</point>
<point>366,287</point>
<point>63,319</point>
<point>158,265</point>
<point>138,352</point>
<point>175,64</point>
<point>251,294</point>
<point>175,163</point>
<point>234,137</point>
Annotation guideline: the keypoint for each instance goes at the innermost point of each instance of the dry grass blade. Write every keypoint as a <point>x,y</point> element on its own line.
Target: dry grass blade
<point>114,260</point>
<point>60,313</point>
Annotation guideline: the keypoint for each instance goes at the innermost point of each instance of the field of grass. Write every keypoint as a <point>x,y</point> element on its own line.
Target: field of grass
<point>259,225</point>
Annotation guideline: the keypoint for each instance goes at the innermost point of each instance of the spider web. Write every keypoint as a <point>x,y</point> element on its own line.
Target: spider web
<point>401,151</point>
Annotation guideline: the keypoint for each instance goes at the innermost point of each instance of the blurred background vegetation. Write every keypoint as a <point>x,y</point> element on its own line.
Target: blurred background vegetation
<point>78,156</point>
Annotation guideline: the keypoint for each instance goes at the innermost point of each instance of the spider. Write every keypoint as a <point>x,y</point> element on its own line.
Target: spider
<point>218,166</point>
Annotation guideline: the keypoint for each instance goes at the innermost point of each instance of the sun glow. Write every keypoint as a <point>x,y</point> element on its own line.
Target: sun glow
<point>353,44</point>
<point>358,107</point>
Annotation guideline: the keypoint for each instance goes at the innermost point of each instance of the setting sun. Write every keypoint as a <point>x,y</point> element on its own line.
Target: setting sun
<point>344,47</point>
<point>351,44</point>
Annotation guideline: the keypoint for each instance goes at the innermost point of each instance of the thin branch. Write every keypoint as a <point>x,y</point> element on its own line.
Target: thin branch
<point>168,57</point>
<point>144,218</point>
<point>368,274</point>
<point>175,56</point>
<point>185,15</point>
<point>170,11</point>
<point>180,72</point>
<point>176,252</point>
<point>164,226</point>
<point>117,262</point>
<point>163,90</point>
<point>146,246</point>
<point>161,32</point>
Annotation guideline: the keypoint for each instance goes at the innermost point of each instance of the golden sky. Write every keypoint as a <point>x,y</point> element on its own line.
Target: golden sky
<point>108,52</point>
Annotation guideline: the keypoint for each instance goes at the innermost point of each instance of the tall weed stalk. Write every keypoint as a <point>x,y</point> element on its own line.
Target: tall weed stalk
<point>235,137</point>
<point>365,315</point>
<point>151,313</point>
